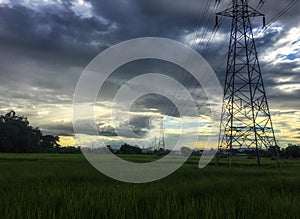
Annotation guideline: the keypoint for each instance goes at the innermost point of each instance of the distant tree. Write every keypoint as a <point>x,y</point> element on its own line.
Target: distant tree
<point>128,149</point>
<point>161,152</point>
<point>292,151</point>
<point>197,152</point>
<point>273,152</point>
<point>185,151</point>
<point>69,150</point>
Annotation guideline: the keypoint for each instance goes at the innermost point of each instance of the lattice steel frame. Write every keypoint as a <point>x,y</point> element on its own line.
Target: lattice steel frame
<point>246,120</point>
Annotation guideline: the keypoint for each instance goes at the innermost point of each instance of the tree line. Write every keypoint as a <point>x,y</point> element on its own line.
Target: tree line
<point>17,136</point>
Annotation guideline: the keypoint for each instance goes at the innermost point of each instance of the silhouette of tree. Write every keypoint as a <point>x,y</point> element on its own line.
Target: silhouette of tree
<point>292,151</point>
<point>128,149</point>
<point>49,142</point>
<point>16,135</point>
<point>185,151</point>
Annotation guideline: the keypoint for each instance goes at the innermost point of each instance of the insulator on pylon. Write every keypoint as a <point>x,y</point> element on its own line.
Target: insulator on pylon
<point>264,21</point>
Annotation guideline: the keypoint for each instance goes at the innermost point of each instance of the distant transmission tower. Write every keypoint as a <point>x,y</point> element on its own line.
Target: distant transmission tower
<point>161,142</point>
<point>246,120</point>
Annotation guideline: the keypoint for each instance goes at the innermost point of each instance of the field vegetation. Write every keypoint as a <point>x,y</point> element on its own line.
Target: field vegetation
<point>67,186</point>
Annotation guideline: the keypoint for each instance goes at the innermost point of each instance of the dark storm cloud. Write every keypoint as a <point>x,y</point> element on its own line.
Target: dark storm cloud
<point>141,125</point>
<point>273,8</point>
<point>124,130</point>
<point>48,48</point>
<point>59,129</point>
<point>65,39</point>
<point>107,131</point>
<point>67,35</point>
<point>138,124</point>
<point>155,103</point>
<point>138,18</point>
<point>49,37</point>
<point>152,102</point>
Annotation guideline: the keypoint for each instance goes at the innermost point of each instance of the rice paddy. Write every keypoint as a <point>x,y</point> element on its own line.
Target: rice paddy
<point>67,186</point>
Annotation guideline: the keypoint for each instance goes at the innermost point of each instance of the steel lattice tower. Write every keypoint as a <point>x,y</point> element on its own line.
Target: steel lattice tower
<point>161,141</point>
<point>246,120</point>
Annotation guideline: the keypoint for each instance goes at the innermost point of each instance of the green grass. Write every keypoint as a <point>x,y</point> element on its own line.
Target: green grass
<point>67,186</point>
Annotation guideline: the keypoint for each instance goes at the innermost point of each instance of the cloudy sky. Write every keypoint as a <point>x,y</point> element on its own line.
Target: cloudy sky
<point>46,44</point>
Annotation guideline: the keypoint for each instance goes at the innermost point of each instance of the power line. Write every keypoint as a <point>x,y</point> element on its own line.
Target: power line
<point>277,16</point>
<point>200,30</point>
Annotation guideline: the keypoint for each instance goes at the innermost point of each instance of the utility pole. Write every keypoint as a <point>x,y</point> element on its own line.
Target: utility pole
<point>246,120</point>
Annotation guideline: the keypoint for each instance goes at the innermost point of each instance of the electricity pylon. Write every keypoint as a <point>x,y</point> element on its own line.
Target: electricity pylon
<point>161,142</point>
<point>246,120</point>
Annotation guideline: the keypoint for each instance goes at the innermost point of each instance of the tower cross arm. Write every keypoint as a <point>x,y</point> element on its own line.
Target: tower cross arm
<point>229,12</point>
<point>242,11</point>
<point>247,11</point>
<point>254,13</point>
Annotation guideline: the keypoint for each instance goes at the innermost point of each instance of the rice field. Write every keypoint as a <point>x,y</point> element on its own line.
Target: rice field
<point>67,186</point>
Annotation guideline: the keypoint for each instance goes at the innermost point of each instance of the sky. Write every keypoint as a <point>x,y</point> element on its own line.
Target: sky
<point>46,44</point>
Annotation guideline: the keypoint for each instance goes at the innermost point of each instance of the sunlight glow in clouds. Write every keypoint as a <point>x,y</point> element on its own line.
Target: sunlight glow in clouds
<point>82,8</point>
<point>289,88</point>
<point>4,2</point>
<point>36,5</point>
<point>284,79</point>
<point>287,121</point>
<point>285,50</point>
<point>202,39</point>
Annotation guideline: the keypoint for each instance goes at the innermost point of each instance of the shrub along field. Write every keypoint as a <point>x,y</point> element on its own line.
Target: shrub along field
<point>67,186</point>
